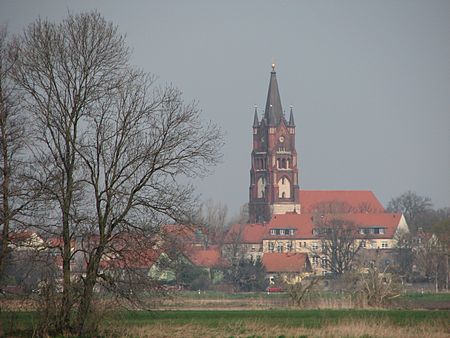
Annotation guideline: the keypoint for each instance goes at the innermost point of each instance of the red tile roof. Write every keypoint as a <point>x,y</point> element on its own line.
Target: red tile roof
<point>246,233</point>
<point>183,234</point>
<point>207,258</point>
<point>286,262</point>
<point>352,200</point>
<point>303,224</point>
<point>132,259</point>
<point>23,236</point>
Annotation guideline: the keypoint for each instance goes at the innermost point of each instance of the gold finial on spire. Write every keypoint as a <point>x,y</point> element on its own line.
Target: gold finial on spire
<point>273,64</point>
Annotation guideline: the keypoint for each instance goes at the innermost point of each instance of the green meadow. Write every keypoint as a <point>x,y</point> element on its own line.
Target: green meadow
<point>258,323</point>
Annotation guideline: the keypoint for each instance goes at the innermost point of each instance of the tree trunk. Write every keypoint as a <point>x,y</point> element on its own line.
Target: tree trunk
<point>436,279</point>
<point>5,195</point>
<point>66,296</point>
<point>67,247</point>
<point>84,309</point>
<point>446,272</point>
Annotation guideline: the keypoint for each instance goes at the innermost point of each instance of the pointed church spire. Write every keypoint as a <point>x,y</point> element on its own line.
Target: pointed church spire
<point>291,118</point>
<point>273,113</point>
<point>255,119</point>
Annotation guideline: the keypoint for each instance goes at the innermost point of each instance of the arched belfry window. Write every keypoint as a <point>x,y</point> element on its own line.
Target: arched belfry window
<point>284,188</point>
<point>261,187</point>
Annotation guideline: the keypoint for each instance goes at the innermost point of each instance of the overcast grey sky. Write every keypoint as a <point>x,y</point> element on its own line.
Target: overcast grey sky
<point>369,82</point>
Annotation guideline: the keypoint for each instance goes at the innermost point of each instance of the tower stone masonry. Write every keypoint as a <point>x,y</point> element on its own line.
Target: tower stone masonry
<point>274,186</point>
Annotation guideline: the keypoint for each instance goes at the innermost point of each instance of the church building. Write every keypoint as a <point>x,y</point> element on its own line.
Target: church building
<point>274,186</point>
<point>274,175</point>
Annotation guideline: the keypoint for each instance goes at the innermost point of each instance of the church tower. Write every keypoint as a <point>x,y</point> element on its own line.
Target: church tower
<point>274,187</point>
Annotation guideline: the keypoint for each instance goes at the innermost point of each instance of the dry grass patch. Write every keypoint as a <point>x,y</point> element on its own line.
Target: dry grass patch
<point>259,328</point>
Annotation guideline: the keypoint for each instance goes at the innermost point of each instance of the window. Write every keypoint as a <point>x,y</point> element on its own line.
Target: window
<point>271,246</point>
<point>363,244</point>
<point>315,246</point>
<point>290,246</point>
<point>384,244</point>
<point>272,232</point>
<point>382,231</point>
<point>291,232</point>
<point>324,263</point>
<point>282,232</point>
<point>280,247</point>
<point>253,248</point>
<point>304,244</point>
<point>316,260</point>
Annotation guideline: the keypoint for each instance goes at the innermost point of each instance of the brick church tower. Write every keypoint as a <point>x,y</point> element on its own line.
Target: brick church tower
<point>274,187</point>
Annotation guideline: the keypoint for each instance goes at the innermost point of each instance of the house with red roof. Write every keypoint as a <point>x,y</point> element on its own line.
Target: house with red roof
<point>244,240</point>
<point>25,240</point>
<point>301,233</point>
<point>290,266</point>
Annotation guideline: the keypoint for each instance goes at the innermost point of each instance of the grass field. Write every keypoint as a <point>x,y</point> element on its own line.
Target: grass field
<point>190,300</point>
<point>274,323</point>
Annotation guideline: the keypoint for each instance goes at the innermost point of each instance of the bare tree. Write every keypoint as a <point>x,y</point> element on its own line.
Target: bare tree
<point>66,69</point>
<point>134,148</point>
<point>431,258</point>
<point>234,248</point>
<point>442,231</point>
<point>378,286</point>
<point>404,255</point>
<point>212,218</point>
<point>110,144</point>
<point>15,197</point>
<point>413,206</point>
<point>298,292</point>
<point>340,243</point>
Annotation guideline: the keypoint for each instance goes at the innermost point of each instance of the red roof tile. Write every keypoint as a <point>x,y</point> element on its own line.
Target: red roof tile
<point>303,224</point>
<point>132,259</point>
<point>286,262</point>
<point>352,200</point>
<point>246,233</point>
<point>207,258</point>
